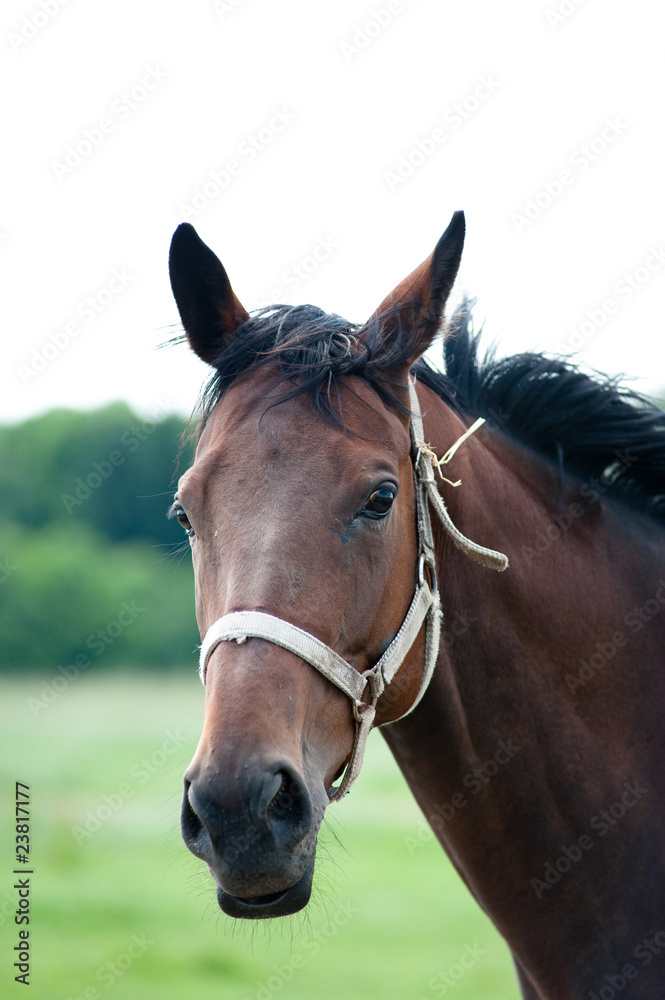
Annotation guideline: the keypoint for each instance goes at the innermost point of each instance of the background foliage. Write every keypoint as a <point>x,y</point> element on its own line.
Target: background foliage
<point>89,565</point>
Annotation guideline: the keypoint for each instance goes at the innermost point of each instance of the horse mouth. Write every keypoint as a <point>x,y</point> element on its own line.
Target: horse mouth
<point>274,904</point>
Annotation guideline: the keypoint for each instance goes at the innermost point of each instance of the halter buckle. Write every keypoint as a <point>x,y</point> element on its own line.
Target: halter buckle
<point>427,558</point>
<point>375,681</point>
<point>377,685</point>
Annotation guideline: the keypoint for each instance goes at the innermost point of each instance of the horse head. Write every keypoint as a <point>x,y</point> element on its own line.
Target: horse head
<point>300,509</point>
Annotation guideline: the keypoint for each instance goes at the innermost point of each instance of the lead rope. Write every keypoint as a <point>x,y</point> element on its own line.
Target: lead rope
<point>425,607</point>
<point>424,470</point>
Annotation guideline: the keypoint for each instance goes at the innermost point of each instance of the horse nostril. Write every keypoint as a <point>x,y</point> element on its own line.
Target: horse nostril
<point>193,830</point>
<point>275,809</point>
<point>289,811</point>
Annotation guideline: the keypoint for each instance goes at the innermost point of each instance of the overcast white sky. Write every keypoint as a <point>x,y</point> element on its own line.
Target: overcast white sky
<point>543,119</point>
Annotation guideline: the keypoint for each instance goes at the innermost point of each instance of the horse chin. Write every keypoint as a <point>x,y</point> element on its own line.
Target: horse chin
<point>275,904</point>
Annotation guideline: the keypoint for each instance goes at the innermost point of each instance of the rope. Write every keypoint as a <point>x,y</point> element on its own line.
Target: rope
<point>424,462</point>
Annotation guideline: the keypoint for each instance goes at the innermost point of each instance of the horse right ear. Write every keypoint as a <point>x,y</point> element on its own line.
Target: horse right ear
<point>208,307</point>
<point>411,315</point>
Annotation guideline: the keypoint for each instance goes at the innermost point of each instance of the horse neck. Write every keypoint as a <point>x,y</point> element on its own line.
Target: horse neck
<point>546,705</point>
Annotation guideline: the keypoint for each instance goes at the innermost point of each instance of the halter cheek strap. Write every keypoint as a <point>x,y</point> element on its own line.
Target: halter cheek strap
<point>425,607</point>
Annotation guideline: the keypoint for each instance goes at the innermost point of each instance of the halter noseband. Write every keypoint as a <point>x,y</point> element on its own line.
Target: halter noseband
<point>425,607</point>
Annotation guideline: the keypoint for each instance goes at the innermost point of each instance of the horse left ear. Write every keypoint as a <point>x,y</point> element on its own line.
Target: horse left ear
<point>208,307</point>
<point>413,311</point>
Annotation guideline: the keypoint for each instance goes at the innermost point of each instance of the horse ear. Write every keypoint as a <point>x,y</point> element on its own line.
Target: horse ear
<point>208,307</point>
<point>413,311</point>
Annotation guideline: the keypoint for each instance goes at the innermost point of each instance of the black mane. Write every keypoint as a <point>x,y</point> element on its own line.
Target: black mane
<point>314,350</point>
<point>592,427</point>
<point>589,425</point>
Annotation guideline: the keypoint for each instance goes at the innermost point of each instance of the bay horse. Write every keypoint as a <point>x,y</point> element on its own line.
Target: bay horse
<point>327,543</point>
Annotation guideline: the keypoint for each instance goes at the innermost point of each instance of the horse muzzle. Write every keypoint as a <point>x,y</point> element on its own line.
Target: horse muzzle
<point>257,834</point>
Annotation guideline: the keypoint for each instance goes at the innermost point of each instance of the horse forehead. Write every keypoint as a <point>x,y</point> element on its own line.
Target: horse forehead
<point>245,428</point>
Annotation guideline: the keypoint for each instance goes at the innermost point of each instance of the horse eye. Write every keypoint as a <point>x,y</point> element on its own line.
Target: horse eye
<point>379,503</point>
<point>181,515</point>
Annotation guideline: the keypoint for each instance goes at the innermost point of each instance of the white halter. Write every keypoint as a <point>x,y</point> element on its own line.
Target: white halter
<point>425,607</point>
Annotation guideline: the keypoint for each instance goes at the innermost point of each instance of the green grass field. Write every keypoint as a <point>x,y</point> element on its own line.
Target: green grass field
<point>120,909</point>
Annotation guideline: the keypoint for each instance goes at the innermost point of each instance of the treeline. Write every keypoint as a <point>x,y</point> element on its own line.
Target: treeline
<point>91,571</point>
